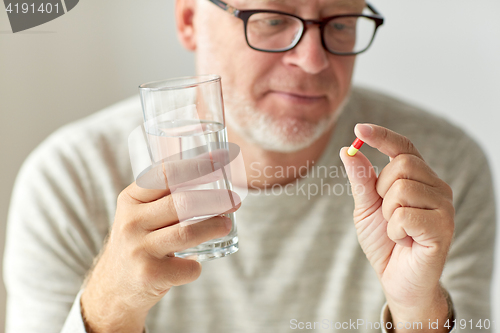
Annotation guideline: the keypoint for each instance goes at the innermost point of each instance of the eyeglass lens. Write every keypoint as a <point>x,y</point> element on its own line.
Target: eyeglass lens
<point>280,32</point>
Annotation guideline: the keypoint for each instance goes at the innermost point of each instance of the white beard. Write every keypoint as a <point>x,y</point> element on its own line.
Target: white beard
<point>280,135</point>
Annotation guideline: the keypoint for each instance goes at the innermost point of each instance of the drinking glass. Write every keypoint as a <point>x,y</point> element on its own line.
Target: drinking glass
<point>184,130</point>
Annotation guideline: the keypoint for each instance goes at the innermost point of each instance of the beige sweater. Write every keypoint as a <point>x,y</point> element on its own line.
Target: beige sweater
<point>299,259</point>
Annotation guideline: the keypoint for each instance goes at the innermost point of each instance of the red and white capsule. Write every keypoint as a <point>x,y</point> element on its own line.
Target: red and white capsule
<point>353,149</point>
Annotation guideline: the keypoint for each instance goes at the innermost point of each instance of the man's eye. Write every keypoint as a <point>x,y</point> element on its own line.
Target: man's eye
<point>339,26</point>
<point>271,22</point>
<point>274,23</point>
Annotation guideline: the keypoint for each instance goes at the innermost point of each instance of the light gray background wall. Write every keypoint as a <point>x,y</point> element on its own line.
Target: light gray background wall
<point>439,54</point>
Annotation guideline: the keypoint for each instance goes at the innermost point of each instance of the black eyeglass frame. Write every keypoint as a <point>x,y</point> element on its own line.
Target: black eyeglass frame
<point>244,15</point>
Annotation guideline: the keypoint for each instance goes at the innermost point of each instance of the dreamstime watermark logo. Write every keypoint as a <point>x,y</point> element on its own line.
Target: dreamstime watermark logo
<point>326,180</point>
<point>26,14</point>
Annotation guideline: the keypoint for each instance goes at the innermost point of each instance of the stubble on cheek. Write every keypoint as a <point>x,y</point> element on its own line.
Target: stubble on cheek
<point>275,133</point>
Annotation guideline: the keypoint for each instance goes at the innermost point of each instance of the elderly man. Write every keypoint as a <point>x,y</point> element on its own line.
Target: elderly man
<point>418,256</point>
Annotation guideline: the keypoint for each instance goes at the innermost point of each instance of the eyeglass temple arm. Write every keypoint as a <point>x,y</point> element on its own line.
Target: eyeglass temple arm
<point>228,8</point>
<point>370,7</point>
<point>233,11</point>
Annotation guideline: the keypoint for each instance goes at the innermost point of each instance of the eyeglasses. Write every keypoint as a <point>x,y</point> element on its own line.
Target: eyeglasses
<point>275,31</point>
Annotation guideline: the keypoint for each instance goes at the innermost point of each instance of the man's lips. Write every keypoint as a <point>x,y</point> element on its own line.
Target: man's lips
<point>298,97</point>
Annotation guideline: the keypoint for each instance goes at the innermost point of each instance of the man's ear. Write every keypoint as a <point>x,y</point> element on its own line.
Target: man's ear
<point>184,16</point>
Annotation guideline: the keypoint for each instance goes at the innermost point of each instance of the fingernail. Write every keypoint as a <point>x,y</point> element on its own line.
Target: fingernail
<point>365,129</point>
<point>340,152</point>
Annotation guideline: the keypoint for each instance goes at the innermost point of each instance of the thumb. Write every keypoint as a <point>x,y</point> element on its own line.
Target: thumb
<point>363,179</point>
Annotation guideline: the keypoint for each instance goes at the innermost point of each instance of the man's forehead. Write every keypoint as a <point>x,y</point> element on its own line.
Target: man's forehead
<point>300,2</point>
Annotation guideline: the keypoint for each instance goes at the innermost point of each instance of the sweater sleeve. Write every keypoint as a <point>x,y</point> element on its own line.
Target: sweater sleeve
<point>52,237</point>
<point>74,322</point>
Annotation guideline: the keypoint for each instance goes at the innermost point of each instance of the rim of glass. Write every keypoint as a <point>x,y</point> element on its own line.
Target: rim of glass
<point>179,82</point>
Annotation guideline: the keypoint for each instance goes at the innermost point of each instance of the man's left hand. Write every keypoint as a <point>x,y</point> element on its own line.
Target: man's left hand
<point>405,221</point>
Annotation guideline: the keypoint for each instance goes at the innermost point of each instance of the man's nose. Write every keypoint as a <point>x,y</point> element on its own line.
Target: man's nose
<point>309,54</point>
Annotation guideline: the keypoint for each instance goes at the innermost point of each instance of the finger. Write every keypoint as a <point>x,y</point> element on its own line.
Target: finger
<point>177,271</point>
<point>181,206</point>
<point>409,193</point>
<point>134,194</point>
<point>405,166</point>
<point>362,177</point>
<point>386,141</point>
<point>426,227</point>
<point>164,241</point>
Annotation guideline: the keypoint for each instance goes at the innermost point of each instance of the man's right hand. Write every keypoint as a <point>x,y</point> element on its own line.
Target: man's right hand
<point>136,267</point>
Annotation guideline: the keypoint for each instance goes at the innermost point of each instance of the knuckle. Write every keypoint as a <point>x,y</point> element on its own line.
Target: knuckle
<point>405,163</point>
<point>408,145</point>
<point>400,214</point>
<point>152,246</point>
<point>385,134</point>
<point>133,219</point>
<point>184,234</point>
<point>399,187</point>
<point>160,177</point>
<point>170,204</point>
<point>181,202</point>
<point>126,217</point>
<point>126,224</point>
<point>123,198</point>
